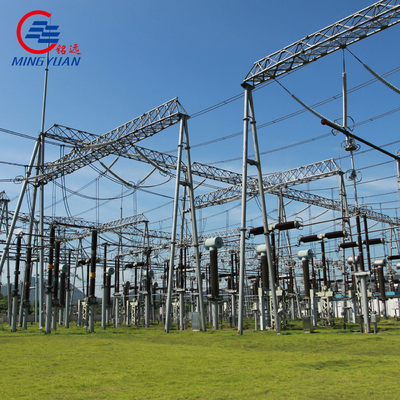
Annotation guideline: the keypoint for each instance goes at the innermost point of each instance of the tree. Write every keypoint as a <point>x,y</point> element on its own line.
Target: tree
<point>3,304</point>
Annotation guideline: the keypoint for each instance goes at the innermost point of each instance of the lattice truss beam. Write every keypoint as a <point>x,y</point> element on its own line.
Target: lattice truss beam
<point>168,162</point>
<point>271,183</point>
<point>71,136</point>
<point>364,23</point>
<point>117,141</point>
<point>303,197</point>
<point>4,200</point>
<point>162,161</point>
<point>112,226</point>
<point>4,197</point>
<point>336,205</point>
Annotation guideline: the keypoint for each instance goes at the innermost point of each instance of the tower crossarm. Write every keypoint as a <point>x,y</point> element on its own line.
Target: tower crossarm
<point>219,196</point>
<point>122,222</point>
<point>165,161</point>
<point>364,23</point>
<point>68,222</point>
<point>117,141</point>
<point>107,227</point>
<point>229,194</point>
<point>303,174</point>
<point>336,205</point>
<point>226,234</point>
<point>4,197</point>
<point>371,214</point>
<point>168,162</point>
<point>313,199</point>
<point>229,233</point>
<point>71,136</point>
<point>216,174</point>
<point>155,234</point>
<point>271,183</point>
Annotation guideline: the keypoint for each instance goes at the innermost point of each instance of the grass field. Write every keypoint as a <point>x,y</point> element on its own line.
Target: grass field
<point>139,363</point>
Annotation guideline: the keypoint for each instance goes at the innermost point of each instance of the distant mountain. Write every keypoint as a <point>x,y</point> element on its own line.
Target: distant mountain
<point>78,295</point>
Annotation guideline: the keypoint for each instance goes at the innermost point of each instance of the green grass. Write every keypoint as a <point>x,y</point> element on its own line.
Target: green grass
<point>139,363</point>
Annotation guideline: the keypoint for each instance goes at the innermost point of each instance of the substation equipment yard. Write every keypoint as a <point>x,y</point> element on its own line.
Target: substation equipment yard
<point>340,263</point>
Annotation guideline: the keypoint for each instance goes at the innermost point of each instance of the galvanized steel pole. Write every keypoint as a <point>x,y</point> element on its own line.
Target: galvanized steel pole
<point>173,234</point>
<point>242,256</point>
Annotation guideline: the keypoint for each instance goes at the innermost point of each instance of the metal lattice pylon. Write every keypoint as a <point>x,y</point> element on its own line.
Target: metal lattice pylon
<point>187,182</point>
<point>249,117</point>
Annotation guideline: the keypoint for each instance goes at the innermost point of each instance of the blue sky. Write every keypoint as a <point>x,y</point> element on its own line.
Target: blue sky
<point>137,55</point>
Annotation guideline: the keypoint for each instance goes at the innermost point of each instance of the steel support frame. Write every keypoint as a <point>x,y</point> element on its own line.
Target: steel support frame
<point>116,141</point>
<point>19,204</point>
<point>249,117</point>
<point>188,183</point>
<point>360,25</point>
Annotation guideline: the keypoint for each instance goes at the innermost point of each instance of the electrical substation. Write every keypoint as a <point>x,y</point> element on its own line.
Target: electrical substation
<point>304,256</point>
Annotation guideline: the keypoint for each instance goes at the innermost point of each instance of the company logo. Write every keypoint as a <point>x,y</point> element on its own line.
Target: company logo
<point>42,33</point>
<point>39,31</point>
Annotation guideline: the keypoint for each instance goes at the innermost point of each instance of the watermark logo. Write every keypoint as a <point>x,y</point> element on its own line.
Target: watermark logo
<point>43,33</point>
<point>40,31</point>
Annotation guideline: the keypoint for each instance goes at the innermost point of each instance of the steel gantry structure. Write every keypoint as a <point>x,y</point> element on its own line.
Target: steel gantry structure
<point>272,183</point>
<point>345,32</point>
<point>117,141</point>
<point>88,148</point>
<point>84,153</point>
<point>360,25</point>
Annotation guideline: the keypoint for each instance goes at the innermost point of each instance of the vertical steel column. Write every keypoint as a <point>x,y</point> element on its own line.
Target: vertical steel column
<point>398,172</point>
<point>4,216</point>
<point>174,225</point>
<point>242,254</point>
<point>345,221</point>
<point>41,199</point>
<point>25,302</point>
<point>193,223</point>
<point>36,298</point>
<point>4,256</point>
<point>180,283</point>
<point>232,292</point>
<point>9,310</point>
<point>41,240</point>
